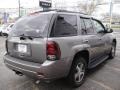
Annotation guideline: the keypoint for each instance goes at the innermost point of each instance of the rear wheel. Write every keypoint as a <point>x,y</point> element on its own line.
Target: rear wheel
<point>113,50</point>
<point>78,71</point>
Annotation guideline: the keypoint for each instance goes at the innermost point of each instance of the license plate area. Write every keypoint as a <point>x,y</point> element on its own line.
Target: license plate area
<point>22,48</point>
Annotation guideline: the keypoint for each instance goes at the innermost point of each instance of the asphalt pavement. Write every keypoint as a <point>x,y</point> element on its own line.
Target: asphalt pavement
<point>106,76</point>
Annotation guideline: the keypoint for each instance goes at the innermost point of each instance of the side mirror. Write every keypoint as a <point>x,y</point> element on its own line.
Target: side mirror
<point>109,30</point>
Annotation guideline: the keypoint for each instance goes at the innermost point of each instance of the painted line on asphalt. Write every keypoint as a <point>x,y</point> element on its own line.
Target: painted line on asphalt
<point>101,84</point>
<point>111,67</point>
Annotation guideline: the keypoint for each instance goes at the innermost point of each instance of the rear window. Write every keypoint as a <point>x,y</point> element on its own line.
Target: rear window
<point>33,25</point>
<point>65,25</point>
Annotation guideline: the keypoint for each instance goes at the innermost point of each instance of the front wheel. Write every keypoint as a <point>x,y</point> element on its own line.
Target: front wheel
<point>78,71</point>
<point>113,50</point>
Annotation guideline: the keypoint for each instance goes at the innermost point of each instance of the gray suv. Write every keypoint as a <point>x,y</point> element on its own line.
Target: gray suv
<point>55,44</point>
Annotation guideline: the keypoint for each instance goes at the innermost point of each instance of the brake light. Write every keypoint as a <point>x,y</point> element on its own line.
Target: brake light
<point>53,51</point>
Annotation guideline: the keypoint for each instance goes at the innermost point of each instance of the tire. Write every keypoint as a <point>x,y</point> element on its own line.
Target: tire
<point>77,73</point>
<point>113,51</point>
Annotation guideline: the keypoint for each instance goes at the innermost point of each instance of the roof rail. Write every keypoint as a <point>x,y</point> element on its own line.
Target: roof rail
<point>59,10</point>
<point>71,12</point>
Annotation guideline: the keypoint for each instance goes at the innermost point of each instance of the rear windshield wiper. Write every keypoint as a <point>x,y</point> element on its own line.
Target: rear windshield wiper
<point>23,37</point>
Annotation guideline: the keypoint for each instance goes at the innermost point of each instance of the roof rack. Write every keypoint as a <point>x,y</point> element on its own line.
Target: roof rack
<point>59,10</point>
<point>71,12</point>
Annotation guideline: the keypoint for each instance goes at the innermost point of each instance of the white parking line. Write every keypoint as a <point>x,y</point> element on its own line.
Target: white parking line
<point>114,68</point>
<point>101,84</point>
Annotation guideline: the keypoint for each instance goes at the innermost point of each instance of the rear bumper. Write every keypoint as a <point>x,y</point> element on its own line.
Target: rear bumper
<point>49,70</point>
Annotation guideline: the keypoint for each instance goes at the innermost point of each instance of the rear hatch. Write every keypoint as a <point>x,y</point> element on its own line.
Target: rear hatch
<point>27,39</point>
<point>28,50</point>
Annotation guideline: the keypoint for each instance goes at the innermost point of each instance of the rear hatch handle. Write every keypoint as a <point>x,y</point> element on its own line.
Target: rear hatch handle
<point>23,37</point>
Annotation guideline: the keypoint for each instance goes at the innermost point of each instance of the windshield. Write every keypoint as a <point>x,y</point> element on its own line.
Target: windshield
<point>33,25</point>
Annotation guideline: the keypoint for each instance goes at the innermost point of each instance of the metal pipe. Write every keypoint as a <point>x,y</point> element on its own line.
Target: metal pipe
<point>111,8</point>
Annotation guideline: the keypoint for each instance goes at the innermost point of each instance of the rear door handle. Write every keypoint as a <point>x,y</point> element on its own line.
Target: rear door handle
<point>100,39</point>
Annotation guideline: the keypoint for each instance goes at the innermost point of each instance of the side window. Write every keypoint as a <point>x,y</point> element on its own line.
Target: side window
<point>98,27</point>
<point>83,28</point>
<point>66,25</point>
<point>89,26</point>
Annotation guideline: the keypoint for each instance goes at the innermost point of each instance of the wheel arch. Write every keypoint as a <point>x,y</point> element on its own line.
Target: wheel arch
<point>84,54</point>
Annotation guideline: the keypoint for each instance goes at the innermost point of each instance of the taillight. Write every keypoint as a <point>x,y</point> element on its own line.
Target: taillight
<point>53,51</point>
